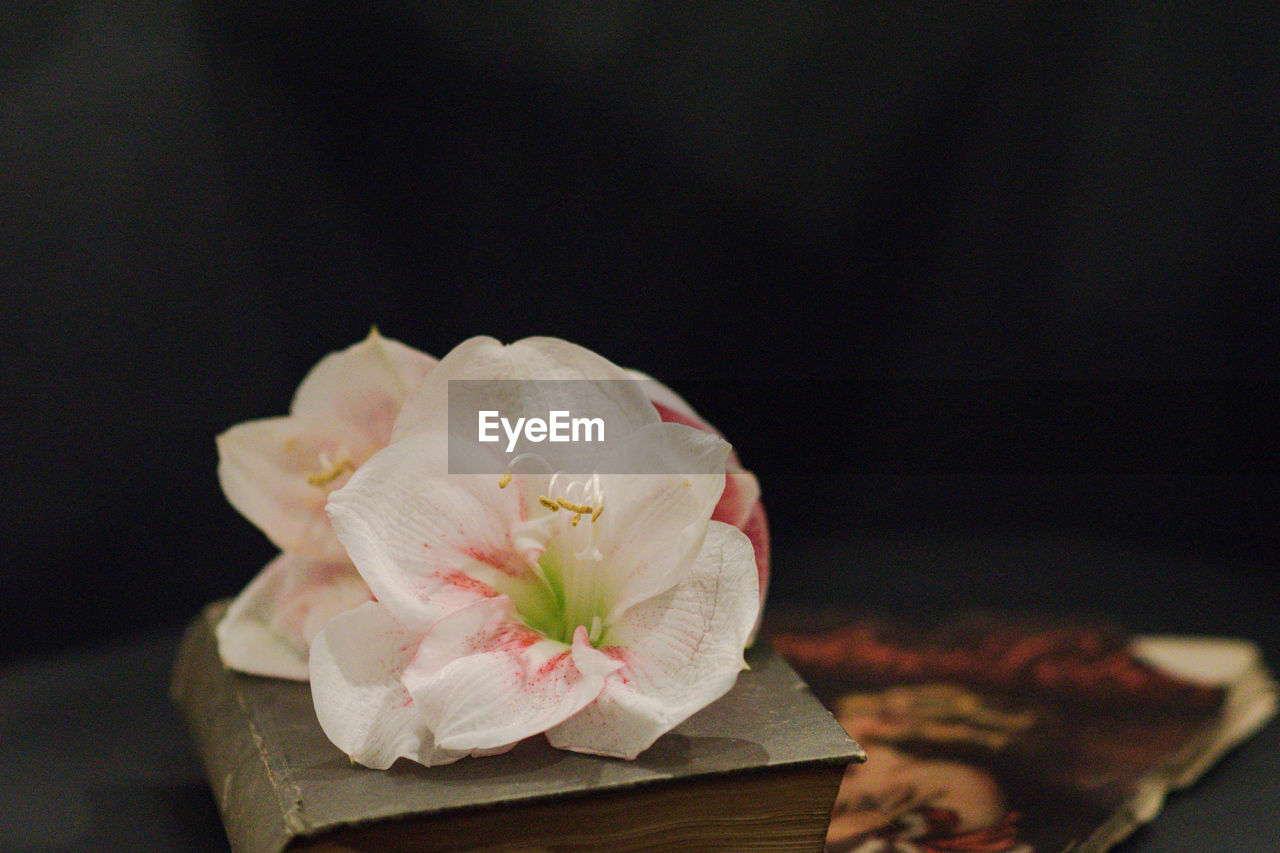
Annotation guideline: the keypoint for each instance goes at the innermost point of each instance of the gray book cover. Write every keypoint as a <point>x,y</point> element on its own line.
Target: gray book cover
<point>278,779</point>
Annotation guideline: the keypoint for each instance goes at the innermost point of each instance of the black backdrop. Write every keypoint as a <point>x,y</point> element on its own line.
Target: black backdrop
<point>942,271</point>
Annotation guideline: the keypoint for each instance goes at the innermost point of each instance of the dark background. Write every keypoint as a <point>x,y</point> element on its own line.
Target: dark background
<point>984,293</point>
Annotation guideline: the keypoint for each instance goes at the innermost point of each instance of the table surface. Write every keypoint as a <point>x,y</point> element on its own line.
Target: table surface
<point>95,758</point>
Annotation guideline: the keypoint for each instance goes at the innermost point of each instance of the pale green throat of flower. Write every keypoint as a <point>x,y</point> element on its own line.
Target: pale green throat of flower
<point>572,591</point>
<point>548,610</point>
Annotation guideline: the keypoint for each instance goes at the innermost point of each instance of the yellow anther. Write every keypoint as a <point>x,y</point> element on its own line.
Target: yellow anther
<point>548,503</point>
<point>579,508</point>
<point>322,480</point>
<point>504,480</point>
<point>596,513</point>
<point>573,522</point>
<point>686,484</point>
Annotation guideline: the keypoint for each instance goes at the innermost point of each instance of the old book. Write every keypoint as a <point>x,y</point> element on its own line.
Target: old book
<point>755,771</point>
<point>1006,735</point>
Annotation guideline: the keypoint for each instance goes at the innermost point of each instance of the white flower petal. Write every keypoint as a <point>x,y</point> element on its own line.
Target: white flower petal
<point>427,543</point>
<point>482,680</point>
<point>356,663</point>
<point>678,409</point>
<point>362,387</point>
<point>741,494</point>
<point>682,650</point>
<point>740,504</point>
<point>264,466</point>
<point>673,408</point>
<point>620,402</point>
<point>268,629</point>
<point>652,525</point>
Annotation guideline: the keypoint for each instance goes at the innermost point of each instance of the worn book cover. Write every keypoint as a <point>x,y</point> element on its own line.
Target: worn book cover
<point>756,770</point>
<point>1000,735</point>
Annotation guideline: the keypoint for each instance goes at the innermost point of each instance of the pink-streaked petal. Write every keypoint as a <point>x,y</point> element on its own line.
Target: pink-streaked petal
<point>362,387</point>
<point>426,542</point>
<point>652,525</point>
<point>269,627</point>
<point>681,650</point>
<point>621,402</point>
<point>268,468</point>
<point>482,680</point>
<point>356,664</point>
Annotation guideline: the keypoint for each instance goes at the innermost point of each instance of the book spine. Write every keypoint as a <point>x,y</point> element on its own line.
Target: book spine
<point>229,745</point>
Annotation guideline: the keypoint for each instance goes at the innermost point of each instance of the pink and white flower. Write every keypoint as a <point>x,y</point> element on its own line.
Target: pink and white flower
<point>279,473</point>
<point>600,609</point>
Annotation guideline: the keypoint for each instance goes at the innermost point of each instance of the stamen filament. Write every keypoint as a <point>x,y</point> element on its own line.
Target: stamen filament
<point>323,479</point>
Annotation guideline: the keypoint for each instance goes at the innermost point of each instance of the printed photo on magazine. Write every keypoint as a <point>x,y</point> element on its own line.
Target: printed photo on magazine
<point>997,734</point>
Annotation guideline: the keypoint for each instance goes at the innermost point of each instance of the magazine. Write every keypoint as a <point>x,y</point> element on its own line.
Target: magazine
<point>997,734</point>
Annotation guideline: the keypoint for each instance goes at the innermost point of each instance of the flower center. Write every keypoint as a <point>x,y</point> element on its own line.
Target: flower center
<point>573,591</point>
<point>582,597</point>
<point>565,601</point>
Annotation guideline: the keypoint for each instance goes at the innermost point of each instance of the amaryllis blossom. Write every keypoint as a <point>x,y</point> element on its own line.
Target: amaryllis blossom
<point>740,503</point>
<point>600,609</point>
<point>279,472</point>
